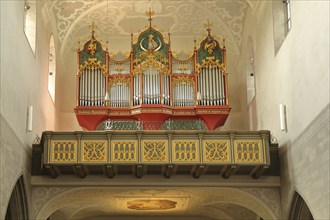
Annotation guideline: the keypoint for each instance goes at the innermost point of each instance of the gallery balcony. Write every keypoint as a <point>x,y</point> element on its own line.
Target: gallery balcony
<point>164,153</point>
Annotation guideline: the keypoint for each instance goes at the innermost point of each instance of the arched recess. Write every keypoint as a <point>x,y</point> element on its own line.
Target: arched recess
<point>86,200</point>
<point>299,209</point>
<point>51,68</point>
<point>17,207</point>
<point>250,75</point>
<point>30,22</point>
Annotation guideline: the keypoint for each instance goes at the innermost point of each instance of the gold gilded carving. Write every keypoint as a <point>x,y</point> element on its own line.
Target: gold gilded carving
<point>154,151</point>
<point>63,152</point>
<point>248,151</point>
<point>91,47</point>
<point>119,80</point>
<point>185,151</point>
<point>210,62</point>
<point>148,59</point>
<point>93,151</point>
<point>183,80</point>
<point>124,151</point>
<point>216,151</point>
<point>92,64</point>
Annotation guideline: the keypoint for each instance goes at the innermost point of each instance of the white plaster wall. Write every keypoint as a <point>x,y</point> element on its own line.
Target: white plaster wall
<point>23,83</point>
<point>298,76</point>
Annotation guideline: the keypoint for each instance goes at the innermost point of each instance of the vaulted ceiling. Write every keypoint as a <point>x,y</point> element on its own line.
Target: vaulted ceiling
<point>160,203</point>
<point>118,19</point>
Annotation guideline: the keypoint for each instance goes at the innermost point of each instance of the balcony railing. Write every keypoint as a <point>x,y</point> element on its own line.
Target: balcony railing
<point>164,152</point>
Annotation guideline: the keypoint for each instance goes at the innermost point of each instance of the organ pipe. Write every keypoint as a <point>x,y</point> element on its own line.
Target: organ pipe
<point>156,89</point>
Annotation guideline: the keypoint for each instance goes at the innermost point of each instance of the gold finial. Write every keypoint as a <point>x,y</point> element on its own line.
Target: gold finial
<point>208,26</point>
<point>92,27</point>
<point>149,14</point>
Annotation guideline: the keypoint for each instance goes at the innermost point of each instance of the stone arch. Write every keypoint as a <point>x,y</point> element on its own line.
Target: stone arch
<point>17,206</point>
<point>299,209</point>
<point>73,200</point>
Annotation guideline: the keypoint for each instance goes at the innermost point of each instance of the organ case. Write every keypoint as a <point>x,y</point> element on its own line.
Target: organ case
<point>151,84</point>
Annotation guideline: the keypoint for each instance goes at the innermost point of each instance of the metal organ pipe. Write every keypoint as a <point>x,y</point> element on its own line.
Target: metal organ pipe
<point>167,94</point>
<point>210,85</point>
<point>93,87</point>
<point>86,86</point>
<point>81,90</point>
<point>158,87</point>
<point>98,87</point>
<point>134,90</point>
<point>204,86</point>
<point>144,88</point>
<point>185,94</point>
<point>138,95</point>
<point>223,89</point>
<point>154,85</point>
<point>150,86</point>
<point>199,88</point>
<point>214,86</point>
<point>218,86</point>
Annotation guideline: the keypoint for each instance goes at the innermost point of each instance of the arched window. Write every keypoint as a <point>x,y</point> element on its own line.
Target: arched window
<point>281,21</point>
<point>52,68</point>
<point>30,22</point>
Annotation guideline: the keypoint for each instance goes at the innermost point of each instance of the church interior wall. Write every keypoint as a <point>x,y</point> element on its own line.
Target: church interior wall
<point>298,77</point>
<point>23,84</point>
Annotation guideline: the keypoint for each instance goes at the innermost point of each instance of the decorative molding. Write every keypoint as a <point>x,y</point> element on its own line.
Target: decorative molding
<point>155,151</point>
<point>270,196</point>
<point>124,151</point>
<point>94,151</point>
<point>115,18</point>
<point>216,151</point>
<point>63,151</point>
<point>41,195</point>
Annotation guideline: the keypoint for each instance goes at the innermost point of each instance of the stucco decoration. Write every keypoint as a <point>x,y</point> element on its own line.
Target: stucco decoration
<point>269,196</point>
<point>40,196</point>
<point>67,11</point>
<point>232,13</point>
<point>118,19</point>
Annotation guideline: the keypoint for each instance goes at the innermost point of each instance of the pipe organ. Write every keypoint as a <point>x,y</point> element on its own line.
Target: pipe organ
<point>151,83</point>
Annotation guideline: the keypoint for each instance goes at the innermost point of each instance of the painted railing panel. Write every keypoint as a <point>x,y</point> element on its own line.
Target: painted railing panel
<point>156,147</point>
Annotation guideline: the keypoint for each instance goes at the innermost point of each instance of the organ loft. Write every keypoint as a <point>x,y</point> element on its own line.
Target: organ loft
<point>151,88</point>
